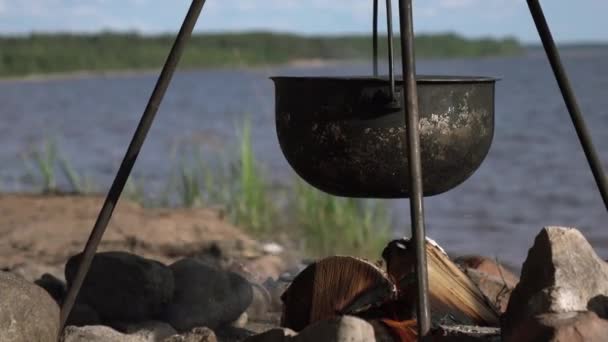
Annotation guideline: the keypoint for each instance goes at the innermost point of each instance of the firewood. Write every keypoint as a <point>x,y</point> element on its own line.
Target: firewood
<point>453,296</point>
<point>342,285</point>
<point>334,286</point>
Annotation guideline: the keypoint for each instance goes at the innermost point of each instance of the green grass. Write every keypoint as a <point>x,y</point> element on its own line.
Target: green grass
<point>252,203</point>
<point>189,187</point>
<point>335,225</point>
<point>135,190</point>
<point>320,223</point>
<point>46,161</point>
<point>45,165</point>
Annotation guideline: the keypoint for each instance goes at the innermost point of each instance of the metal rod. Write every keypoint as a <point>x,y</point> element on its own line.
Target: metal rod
<point>131,155</point>
<point>569,98</point>
<point>375,38</point>
<point>391,62</point>
<point>415,170</point>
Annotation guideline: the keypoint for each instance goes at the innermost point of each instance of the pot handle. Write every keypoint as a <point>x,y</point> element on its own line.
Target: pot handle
<point>394,99</point>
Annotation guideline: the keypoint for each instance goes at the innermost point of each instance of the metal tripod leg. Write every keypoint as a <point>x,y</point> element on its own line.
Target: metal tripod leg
<point>415,170</point>
<point>131,155</point>
<point>375,38</point>
<point>570,99</point>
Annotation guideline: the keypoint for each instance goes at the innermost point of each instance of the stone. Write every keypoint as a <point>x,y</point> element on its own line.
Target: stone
<point>561,274</point>
<point>241,322</point>
<point>231,333</point>
<point>494,288</point>
<point>144,332</point>
<point>206,296</point>
<point>273,248</point>
<point>94,333</point>
<point>27,312</point>
<point>151,330</point>
<point>124,286</point>
<point>275,289</point>
<point>196,335</point>
<point>561,327</point>
<point>32,269</point>
<point>264,267</point>
<point>488,266</point>
<point>54,286</point>
<point>83,315</point>
<point>273,335</point>
<point>339,329</point>
<point>260,303</point>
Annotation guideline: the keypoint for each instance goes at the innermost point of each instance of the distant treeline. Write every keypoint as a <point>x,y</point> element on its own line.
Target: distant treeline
<point>53,53</point>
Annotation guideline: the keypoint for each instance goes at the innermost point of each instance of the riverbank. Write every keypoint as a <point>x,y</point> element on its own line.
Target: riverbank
<point>40,232</point>
<point>59,53</point>
<point>118,73</point>
<point>188,274</point>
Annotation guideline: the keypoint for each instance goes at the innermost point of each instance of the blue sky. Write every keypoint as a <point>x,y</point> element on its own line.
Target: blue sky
<point>582,20</point>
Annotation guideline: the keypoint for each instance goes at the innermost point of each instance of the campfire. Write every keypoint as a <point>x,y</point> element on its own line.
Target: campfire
<point>385,292</point>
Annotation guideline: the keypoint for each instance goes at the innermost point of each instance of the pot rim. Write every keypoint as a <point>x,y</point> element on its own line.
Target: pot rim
<point>398,79</point>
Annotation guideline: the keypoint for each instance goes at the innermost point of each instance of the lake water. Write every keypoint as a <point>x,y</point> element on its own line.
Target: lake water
<point>535,174</point>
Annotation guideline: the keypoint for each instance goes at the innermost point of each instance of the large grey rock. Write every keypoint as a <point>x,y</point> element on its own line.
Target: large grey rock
<point>145,332</point>
<point>561,327</point>
<point>31,270</point>
<point>561,274</point>
<point>124,286</point>
<point>27,312</point>
<point>206,296</point>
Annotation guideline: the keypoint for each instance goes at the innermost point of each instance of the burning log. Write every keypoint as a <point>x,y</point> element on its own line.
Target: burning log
<point>343,285</point>
<point>334,286</point>
<point>454,297</point>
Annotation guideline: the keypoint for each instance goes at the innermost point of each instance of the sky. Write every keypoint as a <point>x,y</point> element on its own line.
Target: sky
<point>570,21</point>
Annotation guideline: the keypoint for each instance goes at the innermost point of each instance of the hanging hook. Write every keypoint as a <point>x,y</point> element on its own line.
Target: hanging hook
<point>394,100</point>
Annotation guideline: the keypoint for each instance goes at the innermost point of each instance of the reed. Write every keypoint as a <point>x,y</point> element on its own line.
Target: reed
<point>47,168</point>
<point>45,161</point>
<point>189,187</point>
<point>236,185</point>
<point>323,224</point>
<point>251,200</point>
<point>135,190</point>
<point>333,225</point>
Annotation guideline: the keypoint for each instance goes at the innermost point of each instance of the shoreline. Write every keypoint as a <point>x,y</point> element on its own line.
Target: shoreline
<point>295,63</point>
<point>85,74</point>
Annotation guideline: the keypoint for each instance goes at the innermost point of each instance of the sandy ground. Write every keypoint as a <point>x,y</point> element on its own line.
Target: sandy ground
<point>39,233</point>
